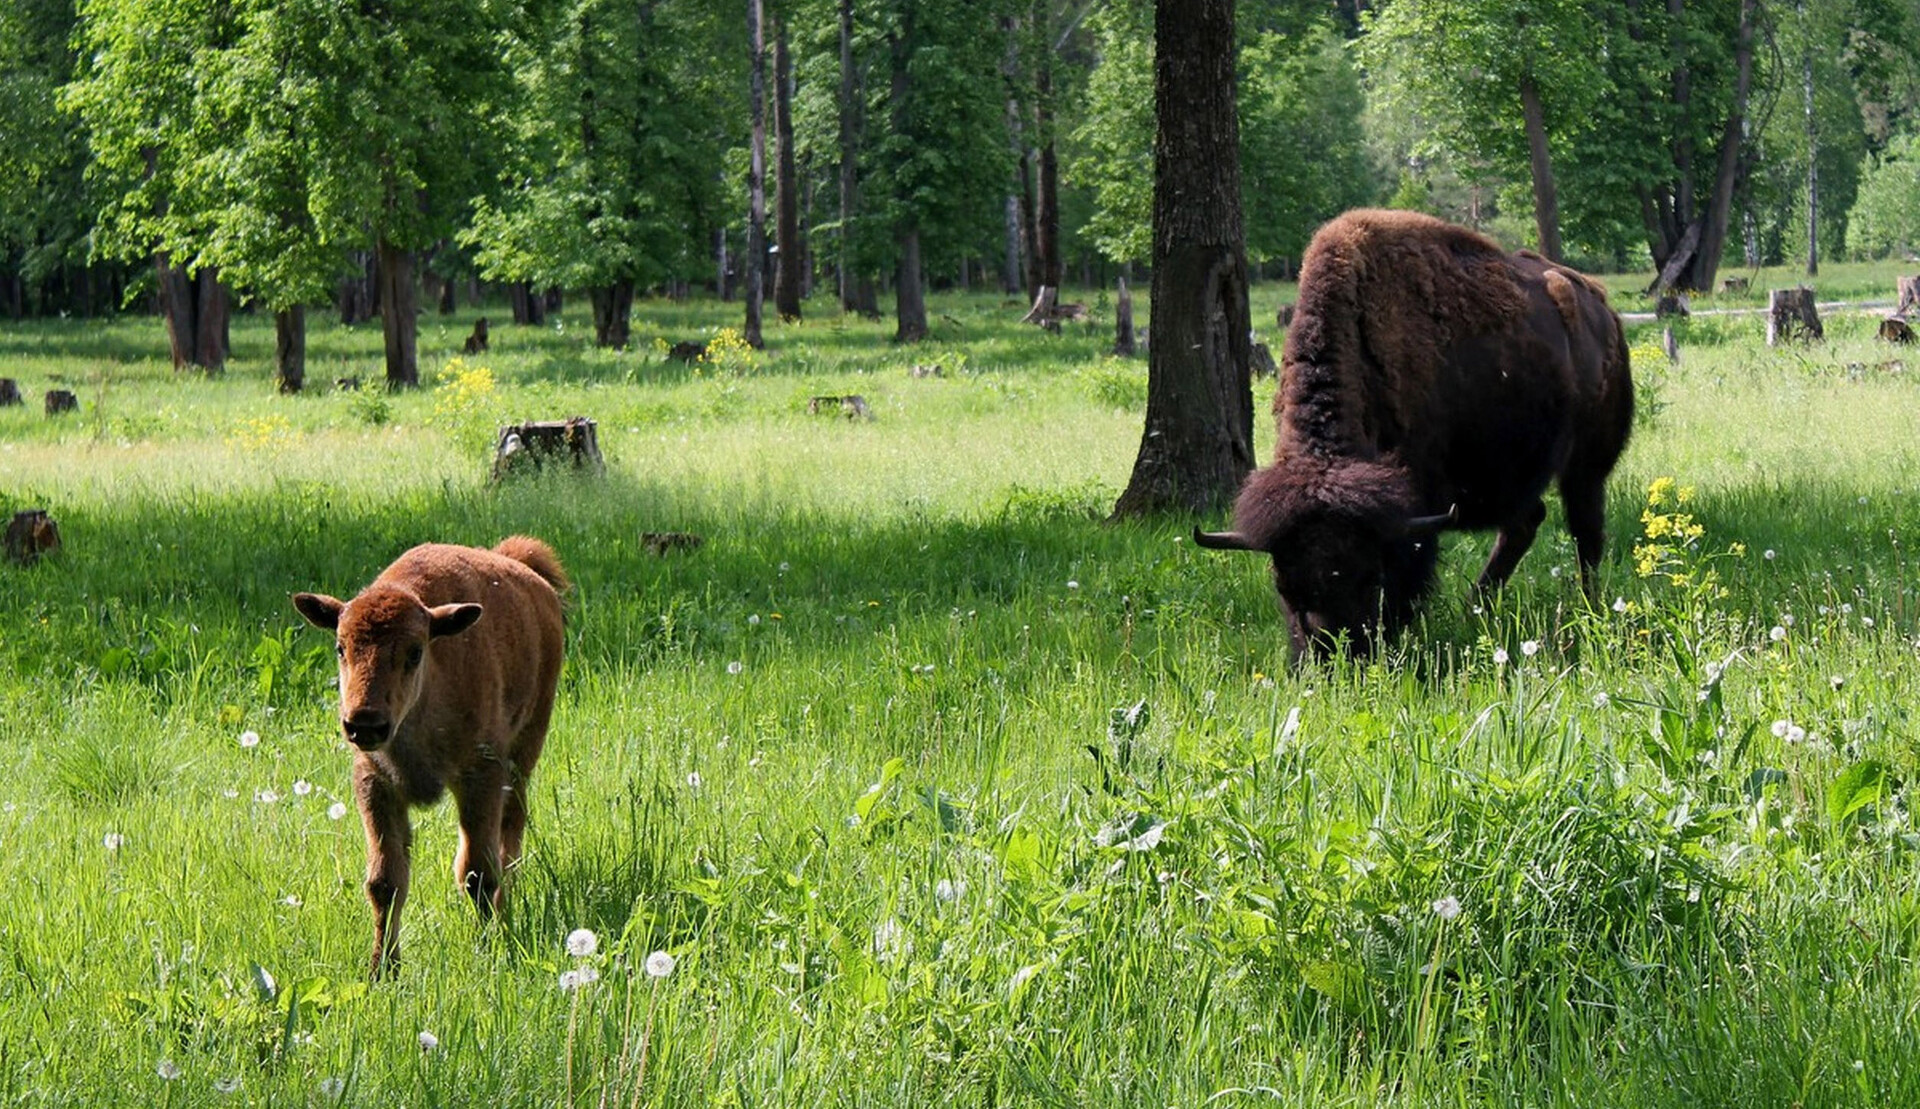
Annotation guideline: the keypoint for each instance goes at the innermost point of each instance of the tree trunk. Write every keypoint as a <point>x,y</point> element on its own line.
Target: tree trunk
<point>1813,168</point>
<point>1546,197</point>
<point>613,314</point>
<point>1198,442</point>
<point>1123,344</point>
<point>910,303</point>
<point>195,308</point>
<point>1730,167</point>
<point>791,259</point>
<point>844,264</point>
<point>1010,271</point>
<point>529,307</point>
<point>446,297</point>
<point>756,172</point>
<point>359,291</point>
<point>290,348</point>
<point>397,320</point>
<point>1046,216</point>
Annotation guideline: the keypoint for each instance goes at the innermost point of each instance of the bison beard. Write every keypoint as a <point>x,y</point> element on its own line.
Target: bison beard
<point>1430,381</point>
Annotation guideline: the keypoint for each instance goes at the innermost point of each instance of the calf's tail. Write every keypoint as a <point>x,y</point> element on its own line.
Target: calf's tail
<point>539,558</point>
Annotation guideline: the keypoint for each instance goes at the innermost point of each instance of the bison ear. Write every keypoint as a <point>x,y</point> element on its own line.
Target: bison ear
<point>451,619</point>
<point>1223,540</point>
<point>320,610</point>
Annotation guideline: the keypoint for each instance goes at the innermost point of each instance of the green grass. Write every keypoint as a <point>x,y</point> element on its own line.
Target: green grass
<point>1003,805</point>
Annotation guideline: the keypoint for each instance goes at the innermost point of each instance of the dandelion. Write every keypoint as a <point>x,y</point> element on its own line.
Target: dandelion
<point>1530,648</point>
<point>1769,554</point>
<point>1780,729</point>
<point>949,890</point>
<point>302,787</point>
<point>754,763</point>
<point>1601,700</point>
<point>332,1087</point>
<point>1796,734</point>
<point>754,620</point>
<point>659,965</point>
<point>693,779</point>
<point>1554,573</point>
<point>1619,604</point>
<point>582,943</point>
<point>249,739</point>
<point>112,841</point>
<point>1777,634</point>
<point>228,1084</point>
<point>1836,682</point>
<point>1500,656</point>
<point>1786,619</point>
<point>578,978</point>
<point>784,567</point>
<point>266,796</point>
<point>1447,908</point>
<point>336,810</point>
<point>1073,584</point>
<point>735,667</point>
<point>428,1041</point>
<point>168,1069</point>
<point>291,901</point>
<point>1866,621</point>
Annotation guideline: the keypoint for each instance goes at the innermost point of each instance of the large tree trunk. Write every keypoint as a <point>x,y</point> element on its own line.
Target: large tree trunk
<point>791,259</point>
<point>1546,196</point>
<point>1198,442</point>
<point>529,308</point>
<point>844,260</point>
<point>1046,216</point>
<point>1813,167</point>
<point>359,291</point>
<point>910,302</point>
<point>195,307</point>
<point>756,172</point>
<point>290,348</point>
<point>1731,164</point>
<point>613,314</point>
<point>398,304</point>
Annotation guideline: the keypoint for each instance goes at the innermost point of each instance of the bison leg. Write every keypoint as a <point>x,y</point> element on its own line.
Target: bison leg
<point>1516,535</point>
<point>481,798</point>
<point>1585,503</point>
<point>389,861</point>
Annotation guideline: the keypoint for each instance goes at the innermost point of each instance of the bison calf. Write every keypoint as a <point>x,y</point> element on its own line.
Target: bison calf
<point>432,703</point>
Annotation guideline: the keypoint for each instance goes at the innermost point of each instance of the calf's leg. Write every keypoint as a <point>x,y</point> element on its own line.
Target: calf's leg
<point>1516,535</point>
<point>481,796</point>
<point>389,861</point>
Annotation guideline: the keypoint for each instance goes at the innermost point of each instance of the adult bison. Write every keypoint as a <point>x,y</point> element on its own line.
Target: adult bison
<point>431,703</point>
<point>1430,381</point>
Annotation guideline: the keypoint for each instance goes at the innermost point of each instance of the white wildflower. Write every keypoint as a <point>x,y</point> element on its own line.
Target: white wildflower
<point>266,796</point>
<point>249,738</point>
<point>578,977</point>
<point>168,1069</point>
<point>735,667</point>
<point>582,943</point>
<point>1447,908</point>
<point>1073,584</point>
<point>336,810</point>
<point>1777,634</point>
<point>693,779</point>
<point>113,841</point>
<point>1619,604</point>
<point>1500,656</point>
<point>754,620</point>
<point>1780,729</point>
<point>428,1041</point>
<point>659,965</point>
<point>302,787</point>
<point>1530,648</point>
<point>1769,554</point>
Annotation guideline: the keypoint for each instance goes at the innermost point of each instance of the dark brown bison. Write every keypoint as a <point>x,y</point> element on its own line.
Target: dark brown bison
<point>431,705</point>
<point>1429,381</point>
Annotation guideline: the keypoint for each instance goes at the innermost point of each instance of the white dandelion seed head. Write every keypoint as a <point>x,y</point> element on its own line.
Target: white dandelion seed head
<point>249,738</point>
<point>753,763</point>
<point>659,965</point>
<point>1447,908</point>
<point>1769,554</point>
<point>578,977</point>
<point>428,1041</point>
<point>784,567</point>
<point>1866,621</point>
<point>228,1084</point>
<point>735,667</point>
<point>291,901</point>
<point>336,810</point>
<point>113,841</point>
<point>1601,700</point>
<point>1836,682</point>
<point>1554,573</point>
<point>1619,604</point>
<point>1500,656</point>
<point>302,787</point>
<point>1777,634</point>
<point>1780,729</point>
<point>1786,618</point>
<point>266,796</point>
<point>1071,584</point>
<point>332,1087</point>
<point>1796,734</point>
<point>582,943</point>
<point>1530,648</point>
<point>754,620</point>
<point>168,1069</point>
<point>693,779</point>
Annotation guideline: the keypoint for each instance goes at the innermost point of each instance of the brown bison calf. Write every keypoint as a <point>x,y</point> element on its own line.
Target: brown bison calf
<point>431,705</point>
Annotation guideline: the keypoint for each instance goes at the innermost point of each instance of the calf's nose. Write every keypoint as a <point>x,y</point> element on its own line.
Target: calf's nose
<point>366,729</point>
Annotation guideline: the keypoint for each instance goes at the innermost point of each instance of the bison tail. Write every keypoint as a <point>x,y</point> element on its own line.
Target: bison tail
<point>538,557</point>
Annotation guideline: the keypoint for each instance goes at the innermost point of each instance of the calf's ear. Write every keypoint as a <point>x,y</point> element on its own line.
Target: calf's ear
<point>451,619</point>
<point>320,610</point>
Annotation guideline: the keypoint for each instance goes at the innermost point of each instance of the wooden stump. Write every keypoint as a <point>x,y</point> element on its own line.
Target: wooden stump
<point>1791,315</point>
<point>31,534</point>
<point>1284,317</point>
<point>348,384</point>
<point>477,342</point>
<point>9,393</point>
<point>662,543</point>
<point>687,351</point>
<point>1671,304</point>
<point>852,406</point>
<point>926,371</point>
<point>522,448</point>
<point>1895,329</point>
<point>61,400</point>
<point>1123,344</point>
<point>1262,363</point>
<point>1908,289</point>
<point>1042,310</point>
<point>1734,285</point>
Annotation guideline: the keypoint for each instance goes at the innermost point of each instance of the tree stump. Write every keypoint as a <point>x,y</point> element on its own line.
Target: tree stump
<point>1262,362</point>
<point>662,543</point>
<point>1284,317</point>
<point>687,351</point>
<point>31,534</point>
<point>1669,304</point>
<point>926,371</point>
<point>1123,344</point>
<point>1908,289</point>
<point>1791,315</point>
<point>61,400</point>
<point>9,393</point>
<point>1895,329</point>
<point>1734,285</point>
<point>348,384</point>
<point>522,448</point>
<point>1042,310</point>
<point>477,342</point>
<point>852,406</point>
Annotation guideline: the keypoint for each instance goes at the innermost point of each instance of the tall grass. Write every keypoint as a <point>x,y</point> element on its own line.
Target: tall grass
<point>1000,804</point>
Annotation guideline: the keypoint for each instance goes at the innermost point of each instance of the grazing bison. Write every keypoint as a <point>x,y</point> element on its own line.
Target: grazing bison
<point>1429,381</point>
<point>429,703</point>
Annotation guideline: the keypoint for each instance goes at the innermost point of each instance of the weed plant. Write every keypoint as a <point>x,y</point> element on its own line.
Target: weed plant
<point>919,784</point>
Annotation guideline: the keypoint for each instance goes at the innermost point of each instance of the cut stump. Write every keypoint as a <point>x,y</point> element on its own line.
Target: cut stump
<point>31,534</point>
<point>9,393</point>
<point>1896,329</point>
<point>61,400</point>
<point>523,448</point>
<point>1791,315</point>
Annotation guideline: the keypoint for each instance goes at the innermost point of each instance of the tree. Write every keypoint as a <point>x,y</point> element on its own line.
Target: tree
<point>1198,441</point>
<point>792,265</point>
<point>1886,217</point>
<point>757,170</point>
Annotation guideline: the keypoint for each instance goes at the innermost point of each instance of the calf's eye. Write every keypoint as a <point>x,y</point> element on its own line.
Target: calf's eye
<point>413,656</point>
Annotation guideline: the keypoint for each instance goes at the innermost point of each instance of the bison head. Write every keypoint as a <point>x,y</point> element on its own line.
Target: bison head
<point>1351,554</point>
<point>381,637</point>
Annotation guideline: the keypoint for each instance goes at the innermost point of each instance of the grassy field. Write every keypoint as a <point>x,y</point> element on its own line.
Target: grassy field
<point>937,789</point>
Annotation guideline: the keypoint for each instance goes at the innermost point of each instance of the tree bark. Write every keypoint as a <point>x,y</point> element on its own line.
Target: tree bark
<point>398,324</point>
<point>529,307</point>
<point>910,303</point>
<point>613,315</point>
<point>1046,216</point>
<point>1813,168</point>
<point>195,308</point>
<point>1198,442</point>
<point>791,259</point>
<point>1123,344</point>
<point>756,172</point>
<point>844,263</point>
<point>290,348</point>
<point>1546,196</point>
<point>1729,168</point>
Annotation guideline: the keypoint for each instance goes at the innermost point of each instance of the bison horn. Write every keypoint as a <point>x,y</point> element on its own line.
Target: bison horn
<point>1429,525</point>
<point>1223,540</point>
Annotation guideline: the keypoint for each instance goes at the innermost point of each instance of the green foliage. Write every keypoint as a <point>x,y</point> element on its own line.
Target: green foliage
<point>1886,216</point>
<point>1115,134</point>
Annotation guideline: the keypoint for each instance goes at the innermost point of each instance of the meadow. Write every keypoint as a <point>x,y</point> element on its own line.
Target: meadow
<point>936,787</point>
